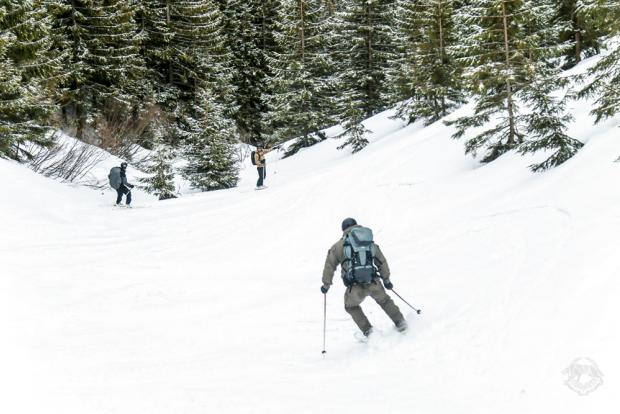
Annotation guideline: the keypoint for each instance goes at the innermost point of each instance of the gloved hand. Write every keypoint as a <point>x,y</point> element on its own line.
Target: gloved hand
<point>324,289</point>
<point>388,285</point>
<point>131,186</point>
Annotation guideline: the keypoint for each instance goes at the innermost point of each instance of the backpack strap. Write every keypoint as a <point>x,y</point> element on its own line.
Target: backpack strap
<point>372,253</point>
<point>348,259</point>
<point>348,250</point>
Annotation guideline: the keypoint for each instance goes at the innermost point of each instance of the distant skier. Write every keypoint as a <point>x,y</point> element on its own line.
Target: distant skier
<point>118,181</point>
<point>360,259</point>
<point>261,165</point>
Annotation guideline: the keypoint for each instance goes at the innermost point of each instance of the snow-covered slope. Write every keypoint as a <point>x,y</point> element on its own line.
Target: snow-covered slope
<point>211,302</point>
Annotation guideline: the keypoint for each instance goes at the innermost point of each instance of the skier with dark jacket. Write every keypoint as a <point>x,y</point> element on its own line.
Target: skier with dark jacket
<point>357,292</point>
<point>124,188</point>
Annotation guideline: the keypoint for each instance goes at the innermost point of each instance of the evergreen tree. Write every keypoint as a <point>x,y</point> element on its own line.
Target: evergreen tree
<point>161,174</point>
<point>115,66</point>
<point>249,31</point>
<point>189,62</point>
<point>428,75</point>
<point>545,126</point>
<point>365,45</point>
<point>210,149</point>
<point>367,52</point>
<point>302,91</point>
<point>68,36</point>
<point>605,87</point>
<point>32,49</point>
<point>329,7</point>
<point>104,69</point>
<point>582,33</point>
<point>155,18</point>
<point>510,70</point>
<point>201,123</point>
<point>355,131</point>
<point>186,53</point>
<point>27,64</point>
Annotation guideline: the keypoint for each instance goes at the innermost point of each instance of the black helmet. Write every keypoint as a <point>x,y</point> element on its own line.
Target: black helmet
<point>348,222</point>
<point>123,165</point>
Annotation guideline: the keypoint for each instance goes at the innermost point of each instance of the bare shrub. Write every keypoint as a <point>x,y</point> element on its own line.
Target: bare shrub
<point>70,162</point>
<point>243,152</point>
<point>121,135</point>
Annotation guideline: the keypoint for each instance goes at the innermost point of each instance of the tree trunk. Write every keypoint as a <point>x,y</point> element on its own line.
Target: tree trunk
<point>509,99</point>
<point>370,56</point>
<point>302,32</point>
<point>441,108</point>
<point>79,110</point>
<point>577,24</point>
<point>331,7</point>
<point>441,41</point>
<point>170,78</point>
<point>578,46</point>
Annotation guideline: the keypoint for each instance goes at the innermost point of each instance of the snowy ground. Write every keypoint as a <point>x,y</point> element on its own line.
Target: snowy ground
<point>211,302</point>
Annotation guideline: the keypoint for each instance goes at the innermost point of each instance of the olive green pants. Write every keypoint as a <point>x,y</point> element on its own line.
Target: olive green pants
<point>355,295</point>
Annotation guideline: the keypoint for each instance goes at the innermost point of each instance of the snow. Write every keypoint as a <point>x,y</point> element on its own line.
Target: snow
<point>211,302</point>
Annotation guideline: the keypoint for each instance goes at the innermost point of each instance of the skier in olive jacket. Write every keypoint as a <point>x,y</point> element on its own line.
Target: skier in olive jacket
<point>355,294</point>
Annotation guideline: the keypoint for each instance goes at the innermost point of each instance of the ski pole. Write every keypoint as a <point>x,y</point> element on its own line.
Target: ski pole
<point>401,298</point>
<point>324,321</point>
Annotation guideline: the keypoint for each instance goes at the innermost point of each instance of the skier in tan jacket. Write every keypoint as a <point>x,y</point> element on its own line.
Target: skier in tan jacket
<point>261,165</point>
<point>357,292</point>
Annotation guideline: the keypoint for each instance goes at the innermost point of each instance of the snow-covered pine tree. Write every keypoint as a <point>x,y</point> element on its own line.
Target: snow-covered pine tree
<point>161,173</point>
<point>33,49</point>
<point>105,68</point>
<point>365,42</point>
<point>581,32</point>
<point>355,131</point>
<point>196,72</point>
<point>210,147</point>
<point>329,6</point>
<point>116,68</point>
<point>409,33</point>
<point>302,92</point>
<point>605,86</point>
<point>27,66</point>
<point>185,51</point>
<point>68,36</point>
<point>249,31</point>
<point>428,76</point>
<point>201,58</point>
<point>155,18</point>
<point>113,46</point>
<point>546,124</point>
<point>513,82</point>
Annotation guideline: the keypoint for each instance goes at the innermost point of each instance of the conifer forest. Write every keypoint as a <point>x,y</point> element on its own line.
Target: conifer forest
<point>193,79</point>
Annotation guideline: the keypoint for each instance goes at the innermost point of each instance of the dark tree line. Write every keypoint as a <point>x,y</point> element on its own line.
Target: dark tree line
<point>192,79</point>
